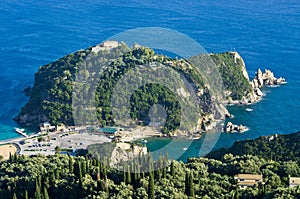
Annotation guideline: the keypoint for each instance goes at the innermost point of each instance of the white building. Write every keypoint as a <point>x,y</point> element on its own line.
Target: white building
<point>248,180</point>
<point>294,182</point>
<point>107,45</point>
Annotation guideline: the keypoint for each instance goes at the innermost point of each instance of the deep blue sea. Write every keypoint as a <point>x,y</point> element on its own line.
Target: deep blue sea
<point>265,33</point>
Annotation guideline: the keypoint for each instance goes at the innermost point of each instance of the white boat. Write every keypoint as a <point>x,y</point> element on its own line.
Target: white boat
<point>21,132</point>
<point>249,109</point>
<point>185,149</point>
<point>144,141</point>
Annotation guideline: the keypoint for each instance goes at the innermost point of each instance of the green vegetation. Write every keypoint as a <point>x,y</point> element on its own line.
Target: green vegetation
<point>274,147</point>
<point>232,75</point>
<point>64,176</point>
<point>85,71</point>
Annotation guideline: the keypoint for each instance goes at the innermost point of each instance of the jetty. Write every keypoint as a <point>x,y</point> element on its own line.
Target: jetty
<point>21,132</point>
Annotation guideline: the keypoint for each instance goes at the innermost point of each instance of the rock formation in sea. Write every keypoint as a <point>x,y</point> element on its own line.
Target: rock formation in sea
<point>232,128</point>
<point>260,80</point>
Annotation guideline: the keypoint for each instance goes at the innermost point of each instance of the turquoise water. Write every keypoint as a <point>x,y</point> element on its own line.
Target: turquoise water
<point>265,33</point>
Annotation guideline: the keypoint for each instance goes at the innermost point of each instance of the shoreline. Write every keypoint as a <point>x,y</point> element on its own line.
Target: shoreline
<point>129,135</point>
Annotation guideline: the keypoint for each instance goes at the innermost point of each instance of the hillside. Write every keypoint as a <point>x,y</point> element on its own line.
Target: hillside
<point>63,176</point>
<point>52,93</point>
<point>273,147</point>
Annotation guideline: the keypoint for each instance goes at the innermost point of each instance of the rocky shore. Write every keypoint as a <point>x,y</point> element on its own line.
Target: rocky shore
<point>260,80</point>
<point>232,128</point>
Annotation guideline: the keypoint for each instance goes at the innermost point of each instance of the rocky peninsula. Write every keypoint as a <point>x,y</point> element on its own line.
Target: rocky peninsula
<point>260,80</point>
<point>52,93</point>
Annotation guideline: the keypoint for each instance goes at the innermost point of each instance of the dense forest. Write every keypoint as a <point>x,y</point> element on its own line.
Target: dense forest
<point>233,79</point>
<point>85,72</point>
<point>273,147</point>
<point>63,176</point>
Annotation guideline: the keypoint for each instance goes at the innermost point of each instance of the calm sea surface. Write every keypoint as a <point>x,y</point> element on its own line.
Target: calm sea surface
<point>265,33</point>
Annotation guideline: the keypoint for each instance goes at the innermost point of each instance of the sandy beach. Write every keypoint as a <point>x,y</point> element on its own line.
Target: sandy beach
<point>139,133</point>
<point>5,150</point>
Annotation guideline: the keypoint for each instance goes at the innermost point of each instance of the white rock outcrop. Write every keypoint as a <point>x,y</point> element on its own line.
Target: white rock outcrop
<point>232,128</point>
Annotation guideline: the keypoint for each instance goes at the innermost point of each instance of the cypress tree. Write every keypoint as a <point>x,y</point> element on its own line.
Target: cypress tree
<point>26,194</point>
<point>39,180</point>
<point>52,178</point>
<point>45,193</point>
<point>151,187</point>
<point>10,157</point>
<point>87,161</point>
<point>236,194</point>
<point>187,186</point>
<point>104,172</point>
<point>77,169</point>
<point>71,164</point>
<point>164,173</point>
<point>98,174</point>
<point>83,168</point>
<point>57,173</point>
<point>124,174</point>
<point>46,182</point>
<point>37,193</point>
<point>191,185</point>
<point>172,169</point>
<point>80,173</point>
<point>16,157</point>
<point>138,172</point>
<point>128,177</point>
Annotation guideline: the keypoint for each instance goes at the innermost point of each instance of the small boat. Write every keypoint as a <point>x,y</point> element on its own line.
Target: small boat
<point>185,149</point>
<point>249,109</point>
<point>144,141</point>
<point>21,132</point>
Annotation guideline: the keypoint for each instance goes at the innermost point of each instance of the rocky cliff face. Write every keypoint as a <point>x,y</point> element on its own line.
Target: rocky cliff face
<point>125,152</point>
<point>28,119</point>
<point>260,80</point>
